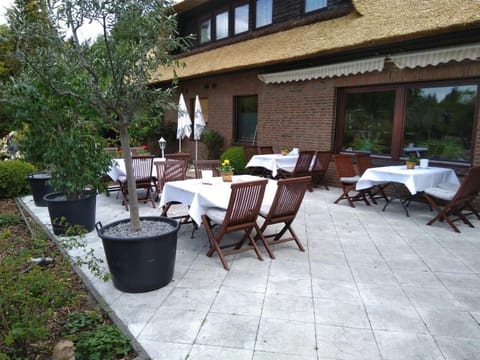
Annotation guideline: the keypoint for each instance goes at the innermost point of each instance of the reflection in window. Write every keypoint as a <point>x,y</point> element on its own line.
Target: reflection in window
<point>221,24</point>
<point>369,121</point>
<point>311,5</point>
<point>264,13</point>
<point>205,31</point>
<point>246,108</point>
<point>241,19</point>
<point>441,119</point>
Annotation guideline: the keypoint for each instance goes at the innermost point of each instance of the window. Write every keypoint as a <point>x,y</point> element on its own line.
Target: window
<point>263,13</point>
<point>438,118</point>
<point>369,121</point>
<point>241,18</point>
<point>312,5</point>
<point>246,108</point>
<point>221,23</point>
<point>205,31</point>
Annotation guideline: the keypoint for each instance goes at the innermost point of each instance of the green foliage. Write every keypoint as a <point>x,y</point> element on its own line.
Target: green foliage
<point>444,149</point>
<point>236,155</point>
<point>78,321</point>
<point>9,219</point>
<point>30,295</point>
<point>106,342</point>
<point>13,178</point>
<point>214,143</point>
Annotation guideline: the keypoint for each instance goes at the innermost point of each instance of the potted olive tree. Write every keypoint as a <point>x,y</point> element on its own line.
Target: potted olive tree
<point>137,40</point>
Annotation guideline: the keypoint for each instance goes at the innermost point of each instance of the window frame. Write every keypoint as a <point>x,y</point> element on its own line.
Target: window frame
<point>218,12</point>
<point>200,23</point>
<point>255,11</point>
<point>400,112</point>
<point>234,17</point>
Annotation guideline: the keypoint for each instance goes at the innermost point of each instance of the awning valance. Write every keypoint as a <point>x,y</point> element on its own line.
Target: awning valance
<point>436,56</point>
<point>320,72</point>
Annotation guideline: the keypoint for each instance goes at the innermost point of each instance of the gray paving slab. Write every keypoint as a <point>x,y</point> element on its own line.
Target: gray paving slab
<point>370,285</point>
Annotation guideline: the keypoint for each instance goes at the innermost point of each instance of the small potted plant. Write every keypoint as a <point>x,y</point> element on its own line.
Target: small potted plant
<point>226,170</point>
<point>285,150</point>
<point>411,161</point>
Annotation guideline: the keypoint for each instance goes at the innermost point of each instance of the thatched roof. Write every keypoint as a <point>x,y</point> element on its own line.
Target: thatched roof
<point>375,22</point>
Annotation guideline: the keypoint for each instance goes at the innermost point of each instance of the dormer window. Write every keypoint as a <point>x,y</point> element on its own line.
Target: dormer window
<point>221,24</point>
<point>263,13</point>
<point>241,19</point>
<point>205,31</point>
<point>312,5</point>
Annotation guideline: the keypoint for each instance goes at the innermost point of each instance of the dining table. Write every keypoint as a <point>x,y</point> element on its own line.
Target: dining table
<point>415,180</point>
<point>273,162</point>
<point>117,169</point>
<point>200,194</point>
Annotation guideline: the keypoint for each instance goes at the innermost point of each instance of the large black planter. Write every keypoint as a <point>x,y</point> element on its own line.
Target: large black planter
<point>67,213</point>
<point>140,264</point>
<point>39,187</point>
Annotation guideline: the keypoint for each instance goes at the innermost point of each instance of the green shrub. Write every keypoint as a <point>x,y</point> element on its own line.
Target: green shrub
<point>236,155</point>
<point>106,342</point>
<point>214,143</point>
<point>13,178</point>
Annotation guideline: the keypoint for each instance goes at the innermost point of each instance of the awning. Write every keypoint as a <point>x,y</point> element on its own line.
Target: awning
<point>320,72</point>
<point>436,56</point>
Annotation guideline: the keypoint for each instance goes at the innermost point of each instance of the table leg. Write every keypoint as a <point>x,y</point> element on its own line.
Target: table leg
<point>396,195</point>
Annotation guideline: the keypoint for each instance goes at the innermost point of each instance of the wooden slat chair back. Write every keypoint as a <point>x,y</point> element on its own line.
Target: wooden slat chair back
<point>265,149</point>
<point>169,170</point>
<point>182,157</point>
<point>348,180</point>
<point>240,215</point>
<point>320,168</point>
<point>455,200</point>
<point>284,209</point>
<point>142,171</point>
<point>249,151</point>
<point>364,162</point>
<point>302,167</point>
<point>200,165</point>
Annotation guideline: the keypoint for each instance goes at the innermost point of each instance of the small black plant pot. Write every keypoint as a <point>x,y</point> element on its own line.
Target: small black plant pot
<point>39,187</point>
<point>140,264</point>
<point>67,215</point>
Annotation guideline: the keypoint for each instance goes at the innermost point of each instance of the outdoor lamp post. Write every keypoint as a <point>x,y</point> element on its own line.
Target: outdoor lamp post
<point>162,143</point>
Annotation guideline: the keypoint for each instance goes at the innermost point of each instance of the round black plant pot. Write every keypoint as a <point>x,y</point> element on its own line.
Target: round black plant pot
<point>39,187</point>
<point>140,264</point>
<point>66,215</point>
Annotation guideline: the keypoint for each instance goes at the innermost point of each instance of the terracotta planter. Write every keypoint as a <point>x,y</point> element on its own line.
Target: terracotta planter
<point>411,164</point>
<point>284,152</point>
<point>227,176</point>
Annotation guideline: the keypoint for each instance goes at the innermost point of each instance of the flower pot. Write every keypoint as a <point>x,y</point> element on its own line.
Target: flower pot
<point>411,164</point>
<point>39,187</point>
<point>227,176</point>
<point>143,263</point>
<point>67,213</point>
<point>284,152</point>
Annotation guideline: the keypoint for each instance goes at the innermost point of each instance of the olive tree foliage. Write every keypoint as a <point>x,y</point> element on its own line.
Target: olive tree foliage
<point>137,41</point>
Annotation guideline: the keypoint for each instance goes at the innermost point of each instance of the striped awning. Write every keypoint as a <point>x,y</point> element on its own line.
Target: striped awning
<point>436,56</point>
<point>320,72</point>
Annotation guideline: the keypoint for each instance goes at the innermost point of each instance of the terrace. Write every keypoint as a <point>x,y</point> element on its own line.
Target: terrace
<point>371,285</point>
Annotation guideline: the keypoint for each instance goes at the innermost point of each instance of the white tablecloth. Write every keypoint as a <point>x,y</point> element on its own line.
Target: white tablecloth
<point>118,170</point>
<point>415,180</point>
<point>273,162</point>
<point>201,196</point>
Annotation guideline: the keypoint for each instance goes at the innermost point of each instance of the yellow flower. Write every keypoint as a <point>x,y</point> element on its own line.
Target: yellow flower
<point>225,166</point>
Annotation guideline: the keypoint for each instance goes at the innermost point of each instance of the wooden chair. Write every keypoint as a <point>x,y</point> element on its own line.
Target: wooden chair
<point>302,167</point>
<point>364,162</point>
<point>142,171</point>
<point>455,200</point>
<point>284,208</point>
<point>348,180</point>
<point>319,170</point>
<point>200,165</point>
<point>240,215</point>
<point>249,151</point>
<point>265,149</point>
<point>182,157</point>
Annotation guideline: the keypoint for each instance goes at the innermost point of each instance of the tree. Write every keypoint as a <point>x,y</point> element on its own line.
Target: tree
<point>113,73</point>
